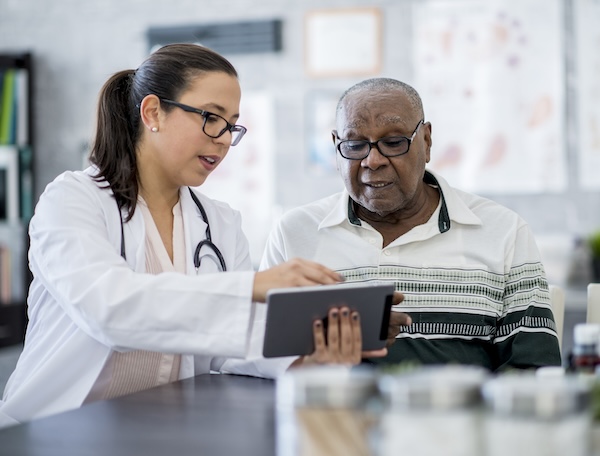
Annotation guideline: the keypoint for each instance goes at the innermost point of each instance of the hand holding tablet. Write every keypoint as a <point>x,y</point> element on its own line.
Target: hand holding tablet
<point>358,310</point>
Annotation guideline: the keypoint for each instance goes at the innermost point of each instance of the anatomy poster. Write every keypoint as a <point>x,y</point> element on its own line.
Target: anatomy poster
<point>587,58</point>
<point>491,76</point>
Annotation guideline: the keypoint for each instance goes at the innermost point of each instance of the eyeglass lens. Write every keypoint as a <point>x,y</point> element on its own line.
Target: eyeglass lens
<point>215,126</point>
<point>390,146</point>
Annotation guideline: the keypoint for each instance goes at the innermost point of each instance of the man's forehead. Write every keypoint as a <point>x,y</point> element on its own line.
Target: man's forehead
<point>390,107</point>
<point>357,120</point>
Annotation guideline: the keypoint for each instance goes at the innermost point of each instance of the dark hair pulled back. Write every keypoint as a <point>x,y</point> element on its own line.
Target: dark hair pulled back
<point>166,73</point>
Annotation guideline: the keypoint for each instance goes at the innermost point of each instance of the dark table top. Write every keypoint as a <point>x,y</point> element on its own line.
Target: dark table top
<point>204,415</point>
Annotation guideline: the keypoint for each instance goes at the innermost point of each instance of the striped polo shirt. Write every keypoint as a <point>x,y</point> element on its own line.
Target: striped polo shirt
<point>471,275</point>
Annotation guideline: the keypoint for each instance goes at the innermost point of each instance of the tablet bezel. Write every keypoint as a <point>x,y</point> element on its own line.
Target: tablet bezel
<point>291,312</point>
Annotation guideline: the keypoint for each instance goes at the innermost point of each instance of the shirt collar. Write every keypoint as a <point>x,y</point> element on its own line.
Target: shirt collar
<point>443,218</point>
<point>453,208</point>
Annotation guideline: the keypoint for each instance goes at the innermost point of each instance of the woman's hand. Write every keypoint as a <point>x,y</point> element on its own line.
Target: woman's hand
<point>343,344</point>
<point>292,273</point>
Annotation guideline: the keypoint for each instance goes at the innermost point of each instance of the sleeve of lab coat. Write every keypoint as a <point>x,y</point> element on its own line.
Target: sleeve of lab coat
<point>255,364</point>
<point>71,253</point>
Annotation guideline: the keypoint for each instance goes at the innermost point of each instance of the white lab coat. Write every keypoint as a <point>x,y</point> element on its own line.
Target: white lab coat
<point>86,301</point>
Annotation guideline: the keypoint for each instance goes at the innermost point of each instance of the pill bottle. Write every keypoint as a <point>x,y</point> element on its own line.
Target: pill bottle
<point>529,415</point>
<point>429,411</point>
<point>584,356</point>
<point>323,411</point>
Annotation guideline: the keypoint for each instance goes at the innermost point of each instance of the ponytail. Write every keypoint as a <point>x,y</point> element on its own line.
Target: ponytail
<point>113,151</point>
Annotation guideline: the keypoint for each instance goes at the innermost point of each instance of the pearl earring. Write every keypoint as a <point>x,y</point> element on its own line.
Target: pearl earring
<point>154,129</point>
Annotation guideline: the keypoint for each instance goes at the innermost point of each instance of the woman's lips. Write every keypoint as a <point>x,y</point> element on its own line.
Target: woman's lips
<point>209,162</point>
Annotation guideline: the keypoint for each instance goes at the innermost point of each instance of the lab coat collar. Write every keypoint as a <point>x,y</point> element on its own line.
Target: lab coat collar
<point>135,229</point>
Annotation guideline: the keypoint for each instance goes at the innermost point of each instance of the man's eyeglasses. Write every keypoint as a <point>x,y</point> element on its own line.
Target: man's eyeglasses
<point>390,146</point>
<point>214,125</point>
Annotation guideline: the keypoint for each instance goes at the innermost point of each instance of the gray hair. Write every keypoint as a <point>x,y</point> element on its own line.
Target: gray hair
<point>381,85</point>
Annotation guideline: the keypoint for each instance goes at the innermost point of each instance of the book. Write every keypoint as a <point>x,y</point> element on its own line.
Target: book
<point>25,183</point>
<point>9,183</point>
<point>7,115</point>
<point>21,129</point>
<point>5,276</point>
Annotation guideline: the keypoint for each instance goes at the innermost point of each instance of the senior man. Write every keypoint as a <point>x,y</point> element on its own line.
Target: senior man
<point>469,269</point>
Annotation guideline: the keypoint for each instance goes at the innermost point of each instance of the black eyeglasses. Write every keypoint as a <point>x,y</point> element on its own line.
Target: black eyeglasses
<point>390,146</point>
<point>214,125</point>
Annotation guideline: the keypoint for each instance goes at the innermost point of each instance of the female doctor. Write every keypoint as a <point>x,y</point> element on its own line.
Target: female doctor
<point>137,279</point>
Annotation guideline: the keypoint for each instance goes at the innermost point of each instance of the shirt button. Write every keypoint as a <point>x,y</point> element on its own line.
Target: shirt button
<point>387,253</point>
<point>372,241</point>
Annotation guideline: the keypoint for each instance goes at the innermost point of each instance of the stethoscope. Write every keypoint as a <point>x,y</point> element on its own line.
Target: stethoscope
<point>206,242</point>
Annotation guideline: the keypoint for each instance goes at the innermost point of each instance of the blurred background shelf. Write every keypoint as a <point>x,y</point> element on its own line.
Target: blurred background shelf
<point>16,191</point>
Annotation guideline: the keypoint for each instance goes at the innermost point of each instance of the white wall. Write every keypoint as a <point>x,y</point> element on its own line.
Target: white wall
<point>77,45</point>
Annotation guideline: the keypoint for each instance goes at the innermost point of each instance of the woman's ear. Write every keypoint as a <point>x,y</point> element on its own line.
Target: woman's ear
<point>149,112</point>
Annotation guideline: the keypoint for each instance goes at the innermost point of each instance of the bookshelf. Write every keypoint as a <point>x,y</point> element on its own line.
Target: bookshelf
<point>16,192</point>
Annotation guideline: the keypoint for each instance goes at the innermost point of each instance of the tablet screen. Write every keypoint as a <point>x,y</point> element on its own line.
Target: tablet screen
<point>291,312</point>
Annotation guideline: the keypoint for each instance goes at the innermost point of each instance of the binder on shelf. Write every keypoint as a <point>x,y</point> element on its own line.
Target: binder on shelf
<point>12,263</point>
<point>14,106</point>
<point>25,183</point>
<point>7,107</point>
<point>22,109</point>
<point>5,276</point>
<point>2,73</point>
<point>9,184</point>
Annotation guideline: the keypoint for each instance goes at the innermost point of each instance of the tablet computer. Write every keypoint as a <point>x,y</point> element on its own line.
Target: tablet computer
<point>291,312</point>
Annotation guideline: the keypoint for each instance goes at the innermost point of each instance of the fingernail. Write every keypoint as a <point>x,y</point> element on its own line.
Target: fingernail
<point>345,312</point>
<point>341,278</point>
<point>355,316</point>
<point>318,323</point>
<point>334,314</point>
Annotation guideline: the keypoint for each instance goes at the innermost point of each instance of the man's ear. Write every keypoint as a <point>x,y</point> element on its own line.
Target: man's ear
<point>427,139</point>
<point>149,112</point>
<point>334,136</point>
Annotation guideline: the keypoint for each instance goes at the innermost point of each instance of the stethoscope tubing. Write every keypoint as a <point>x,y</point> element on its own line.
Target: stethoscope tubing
<point>206,242</point>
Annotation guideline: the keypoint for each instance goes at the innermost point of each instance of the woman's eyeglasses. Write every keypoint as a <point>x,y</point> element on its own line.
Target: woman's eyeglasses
<point>214,125</point>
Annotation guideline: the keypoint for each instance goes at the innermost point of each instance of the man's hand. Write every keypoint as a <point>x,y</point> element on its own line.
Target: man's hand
<point>397,319</point>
